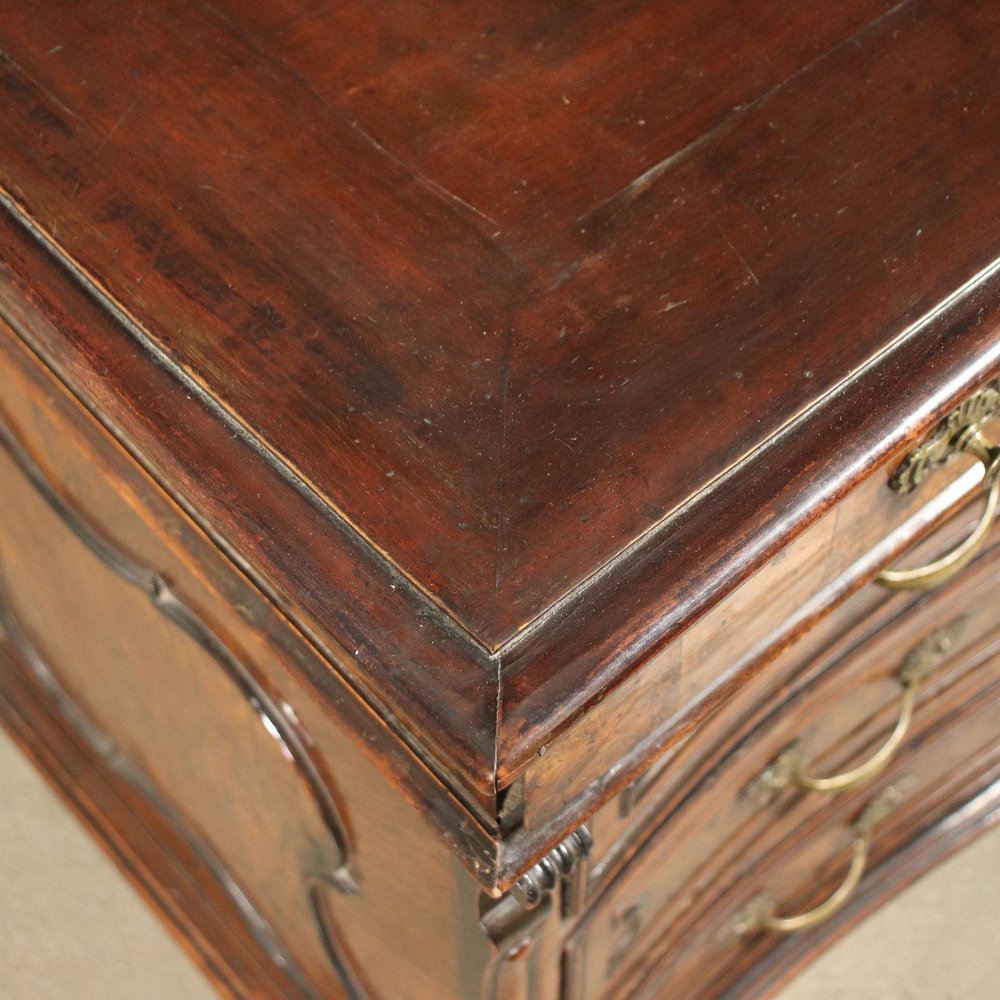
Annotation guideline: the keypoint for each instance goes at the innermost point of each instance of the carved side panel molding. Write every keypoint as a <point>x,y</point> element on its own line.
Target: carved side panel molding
<point>335,871</point>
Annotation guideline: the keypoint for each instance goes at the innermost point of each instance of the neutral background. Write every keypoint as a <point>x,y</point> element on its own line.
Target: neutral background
<point>71,928</point>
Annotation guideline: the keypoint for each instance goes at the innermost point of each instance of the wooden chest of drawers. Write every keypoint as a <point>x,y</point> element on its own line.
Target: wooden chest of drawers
<point>457,461</point>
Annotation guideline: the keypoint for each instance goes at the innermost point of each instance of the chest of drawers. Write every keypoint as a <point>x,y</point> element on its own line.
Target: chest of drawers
<point>498,499</point>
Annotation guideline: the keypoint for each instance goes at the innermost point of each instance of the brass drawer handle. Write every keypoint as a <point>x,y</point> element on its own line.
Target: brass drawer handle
<point>760,915</point>
<point>847,780</point>
<point>935,573</point>
<point>959,433</point>
<point>769,921</point>
<point>790,769</point>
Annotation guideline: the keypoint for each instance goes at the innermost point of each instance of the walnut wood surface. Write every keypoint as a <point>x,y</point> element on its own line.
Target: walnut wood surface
<point>479,401</point>
<point>580,348</point>
<point>379,282</point>
<point>716,849</point>
<point>713,837</point>
<point>151,718</point>
<point>155,856</point>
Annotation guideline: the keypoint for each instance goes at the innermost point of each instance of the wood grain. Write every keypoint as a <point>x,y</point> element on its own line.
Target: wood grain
<point>159,703</point>
<point>710,867</point>
<point>151,852</point>
<point>321,298</point>
<point>423,419</point>
<point>332,295</point>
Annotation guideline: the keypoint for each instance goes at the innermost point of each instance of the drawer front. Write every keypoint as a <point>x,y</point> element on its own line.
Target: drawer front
<point>945,791</point>
<point>831,644</point>
<point>873,528</point>
<point>739,803</point>
<point>167,662</point>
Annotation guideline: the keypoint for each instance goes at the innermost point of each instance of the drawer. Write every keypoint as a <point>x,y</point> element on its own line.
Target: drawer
<point>834,561</point>
<point>146,643</point>
<point>834,640</point>
<point>941,792</point>
<point>836,715</point>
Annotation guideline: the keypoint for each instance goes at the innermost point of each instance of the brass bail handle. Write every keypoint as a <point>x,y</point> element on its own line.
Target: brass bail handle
<point>847,780</point>
<point>918,664</point>
<point>971,441</point>
<point>760,914</point>
<point>789,768</point>
<point>832,904</point>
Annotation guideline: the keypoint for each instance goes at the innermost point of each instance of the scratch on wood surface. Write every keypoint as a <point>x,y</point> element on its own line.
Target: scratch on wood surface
<point>742,259</point>
<point>729,119</point>
<point>118,124</point>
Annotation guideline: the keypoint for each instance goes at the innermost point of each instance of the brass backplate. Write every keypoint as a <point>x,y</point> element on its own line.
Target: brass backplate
<point>939,447</point>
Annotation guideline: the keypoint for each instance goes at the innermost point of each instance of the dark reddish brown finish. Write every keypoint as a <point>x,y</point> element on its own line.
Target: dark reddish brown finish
<point>483,351</point>
<point>496,301</point>
<point>151,692</point>
<point>566,105</point>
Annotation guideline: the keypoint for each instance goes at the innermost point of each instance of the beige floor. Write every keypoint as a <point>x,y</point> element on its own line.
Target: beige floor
<point>72,929</point>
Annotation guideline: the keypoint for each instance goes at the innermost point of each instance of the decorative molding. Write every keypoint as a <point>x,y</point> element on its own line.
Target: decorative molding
<point>541,878</point>
<point>116,761</point>
<point>514,922</point>
<point>334,874</point>
<point>346,969</point>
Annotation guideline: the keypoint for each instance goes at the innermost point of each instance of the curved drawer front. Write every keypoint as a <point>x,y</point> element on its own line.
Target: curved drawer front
<point>922,808</point>
<point>744,801</point>
<point>859,647</point>
<point>842,554</point>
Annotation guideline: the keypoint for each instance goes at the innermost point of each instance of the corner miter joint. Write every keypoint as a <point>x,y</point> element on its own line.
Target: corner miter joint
<point>541,878</point>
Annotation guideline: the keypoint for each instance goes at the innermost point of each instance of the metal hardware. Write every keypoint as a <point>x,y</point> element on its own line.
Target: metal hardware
<point>959,433</point>
<point>789,767</point>
<point>760,915</point>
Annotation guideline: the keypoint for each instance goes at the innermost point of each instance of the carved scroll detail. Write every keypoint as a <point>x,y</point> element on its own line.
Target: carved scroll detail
<point>541,878</point>
<point>514,922</point>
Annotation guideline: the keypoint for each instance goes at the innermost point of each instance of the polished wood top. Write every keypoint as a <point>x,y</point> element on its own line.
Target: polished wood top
<point>558,318</point>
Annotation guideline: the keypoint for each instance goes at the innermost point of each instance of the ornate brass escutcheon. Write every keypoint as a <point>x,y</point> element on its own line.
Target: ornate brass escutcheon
<point>959,433</point>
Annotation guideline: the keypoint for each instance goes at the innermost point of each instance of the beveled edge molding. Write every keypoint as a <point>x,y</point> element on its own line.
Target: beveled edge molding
<point>940,447</point>
<point>294,743</point>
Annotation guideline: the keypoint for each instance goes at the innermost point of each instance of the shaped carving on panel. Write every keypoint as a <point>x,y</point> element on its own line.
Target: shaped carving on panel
<point>331,864</point>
